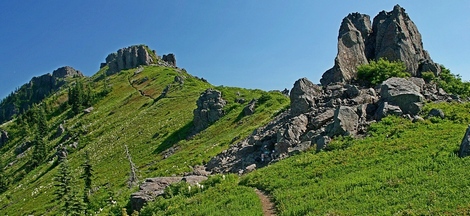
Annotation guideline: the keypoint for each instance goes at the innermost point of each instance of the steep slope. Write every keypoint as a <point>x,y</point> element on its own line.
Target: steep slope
<point>155,131</point>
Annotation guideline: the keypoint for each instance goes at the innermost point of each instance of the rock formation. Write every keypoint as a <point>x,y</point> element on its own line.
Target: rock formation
<point>35,91</point>
<point>130,57</point>
<point>209,109</point>
<point>319,114</point>
<point>170,58</point>
<point>393,36</point>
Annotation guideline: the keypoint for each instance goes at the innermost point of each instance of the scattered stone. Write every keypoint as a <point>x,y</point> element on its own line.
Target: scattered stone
<point>436,113</point>
<point>464,150</point>
<point>417,119</point>
<point>179,79</point>
<point>240,100</point>
<point>250,168</point>
<point>88,110</point>
<point>23,147</point>
<point>60,131</point>
<point>250,108</point>
<point>386,109</point>
<point>154,187</point>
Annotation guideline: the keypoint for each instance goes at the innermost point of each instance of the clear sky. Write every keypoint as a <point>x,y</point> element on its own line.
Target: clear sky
<point>264,44</point>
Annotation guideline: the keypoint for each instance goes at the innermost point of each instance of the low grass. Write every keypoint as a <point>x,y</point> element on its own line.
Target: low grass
<point>129,115</point>
<point>401,168</point>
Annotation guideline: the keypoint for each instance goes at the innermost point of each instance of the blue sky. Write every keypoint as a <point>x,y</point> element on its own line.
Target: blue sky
<point>253,44</point>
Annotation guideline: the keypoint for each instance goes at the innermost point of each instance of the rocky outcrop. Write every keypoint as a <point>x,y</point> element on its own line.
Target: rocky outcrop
<point>320,115</point>
<point>154,187</point>
<point>35,91</point>
<point>303,95</point>
<point>464,150</point>
<point>66,71</point>
<point>170,58</point>
<point>353,33</point>
<point>209,109</point>
<point>130,57</point>
<point>393,36</point>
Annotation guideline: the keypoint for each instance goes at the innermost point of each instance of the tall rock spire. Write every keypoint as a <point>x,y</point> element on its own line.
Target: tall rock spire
<point>393,36</point>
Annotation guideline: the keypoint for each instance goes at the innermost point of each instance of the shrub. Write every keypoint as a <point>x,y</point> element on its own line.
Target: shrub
<point>428,76</point>
<point>378,71</point>
<point>452,83</point>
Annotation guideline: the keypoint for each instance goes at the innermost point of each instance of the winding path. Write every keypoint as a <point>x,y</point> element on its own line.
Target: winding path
<point>268,206</point>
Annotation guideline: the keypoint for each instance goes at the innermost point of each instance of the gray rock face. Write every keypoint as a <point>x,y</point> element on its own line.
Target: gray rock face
<point>393,36</point>
<point>170,58</point>
<point>127,58</point>
<point>209,109</point>
<point>3,138</point>
<point>345,121</point>
<point>464,150</point>
<point>355,29</point>
<point>396,37</point>
<point>289,135</point>
<point>154,187</point>
<point>402,93</point>
<point>66,71</point>
<point>302,96</point>
<point>35,91</point>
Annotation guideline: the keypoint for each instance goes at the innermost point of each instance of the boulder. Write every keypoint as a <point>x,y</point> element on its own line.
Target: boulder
<point>386,109</point>
<point>436,113</point>
<point>209,109</point>
<point>302,96</point>
<point>464,150</point>
<point>127,58</point>
<point>250,108</point>
<point>23,147</point>
<point>345,121</point>
<point>154,187</point>
<point>60,131</point>
<point>322,119</point>
<point>88,110</point>
<point>289,134</point>
<point>402,93</point>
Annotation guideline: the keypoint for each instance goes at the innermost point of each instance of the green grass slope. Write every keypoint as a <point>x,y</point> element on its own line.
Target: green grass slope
<point>402,168</point>
<point>128,116</point>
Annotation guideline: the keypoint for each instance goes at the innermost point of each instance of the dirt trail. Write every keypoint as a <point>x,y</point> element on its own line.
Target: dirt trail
<point>268,206</point>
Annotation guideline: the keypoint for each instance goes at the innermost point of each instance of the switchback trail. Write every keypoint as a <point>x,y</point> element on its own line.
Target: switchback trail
<point>268,206</point>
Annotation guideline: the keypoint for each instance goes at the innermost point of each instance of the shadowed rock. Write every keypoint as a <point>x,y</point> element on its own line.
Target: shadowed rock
<point>209,109</point>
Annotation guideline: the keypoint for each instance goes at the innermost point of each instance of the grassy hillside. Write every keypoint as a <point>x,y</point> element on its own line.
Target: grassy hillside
<point>128,115</point>
<point>402,168</point>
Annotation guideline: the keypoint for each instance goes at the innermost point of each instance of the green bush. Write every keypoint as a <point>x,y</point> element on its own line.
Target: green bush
<point>452,83</point>
<point>378,71</point>
<point>428,76</point>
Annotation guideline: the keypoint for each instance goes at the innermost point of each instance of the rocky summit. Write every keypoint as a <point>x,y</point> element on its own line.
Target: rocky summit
<point>130,57</point>
<point>392,36</point>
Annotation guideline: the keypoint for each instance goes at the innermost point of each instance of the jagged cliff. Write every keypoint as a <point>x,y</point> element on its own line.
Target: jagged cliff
<point>392,36</point>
